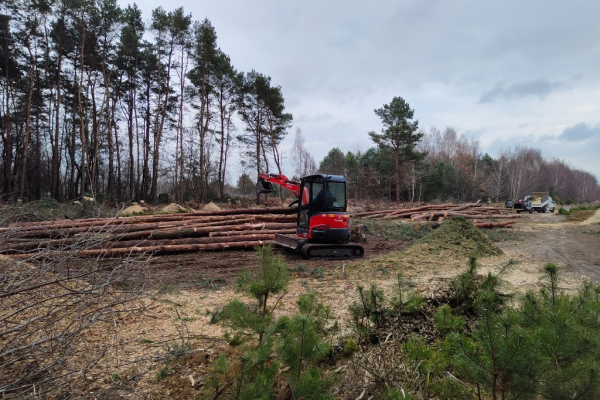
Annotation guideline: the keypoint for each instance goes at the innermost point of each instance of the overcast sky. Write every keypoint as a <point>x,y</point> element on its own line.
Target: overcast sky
<point>507,73</point>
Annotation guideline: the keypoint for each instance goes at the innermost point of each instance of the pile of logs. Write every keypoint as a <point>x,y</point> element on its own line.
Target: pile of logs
<point>163,233</point>
<point>199,231</point>
<point>482,216</point>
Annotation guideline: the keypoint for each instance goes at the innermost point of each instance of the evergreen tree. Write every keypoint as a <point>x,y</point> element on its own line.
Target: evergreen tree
<point>272,278</point>
<point>297,340</point>
<point>227,86</point>
<point>262,110</point>
<point>567,344</point>
<point>334,163</point>
<point>205,56</point>
<point>399,132</point>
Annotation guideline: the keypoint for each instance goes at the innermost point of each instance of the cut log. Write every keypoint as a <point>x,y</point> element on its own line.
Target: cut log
<point>403,211</point>
<point>165,217</point>
<point>197,232</point>
<point>172,248</point>
<point>370,213</point>
<point>201,240</point>
<point>52,232</point>
<point>446,214</point>
<point>81,225</point>
<point>266,231</point>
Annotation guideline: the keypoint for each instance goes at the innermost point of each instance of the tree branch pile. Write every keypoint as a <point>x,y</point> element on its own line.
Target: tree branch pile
<point>482,216</point>
<point>163,233</point>
<point>51,313</point>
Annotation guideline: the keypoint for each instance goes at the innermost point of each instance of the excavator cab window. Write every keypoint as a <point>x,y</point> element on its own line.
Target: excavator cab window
<point>327,195</point>
<point>304,206</point>
<point>336,200</point>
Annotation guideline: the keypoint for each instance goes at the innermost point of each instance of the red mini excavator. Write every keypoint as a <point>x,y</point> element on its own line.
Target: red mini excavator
<point>322,225</point>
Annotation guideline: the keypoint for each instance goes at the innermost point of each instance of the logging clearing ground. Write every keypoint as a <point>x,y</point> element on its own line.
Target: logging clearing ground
<point>191,288</point>
<point>186,291</point>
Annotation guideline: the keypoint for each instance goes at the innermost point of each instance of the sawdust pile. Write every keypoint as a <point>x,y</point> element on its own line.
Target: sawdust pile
<point>448,246</point>
<point>593,219</point>
<point>173,208</point>
<point>134,208</point>
<point>580,215</point>
<point>211,207</point>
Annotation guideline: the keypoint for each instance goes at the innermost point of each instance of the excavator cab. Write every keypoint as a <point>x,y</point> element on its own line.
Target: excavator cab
<point>323,224</point>
<point>322,215</point>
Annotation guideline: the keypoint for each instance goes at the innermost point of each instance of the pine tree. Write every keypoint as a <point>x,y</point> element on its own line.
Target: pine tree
<point>297,340</point>
<point>399,132</point>
<point>261,108</point>
<point>567,343</point>
<point>272,278</point>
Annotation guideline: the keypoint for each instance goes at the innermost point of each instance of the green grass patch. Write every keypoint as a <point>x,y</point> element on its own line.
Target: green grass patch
<point>299,268</point>
<point>575,209</point>
<point>47,209</point>
<point>501,235</point>
<point>162,373</point>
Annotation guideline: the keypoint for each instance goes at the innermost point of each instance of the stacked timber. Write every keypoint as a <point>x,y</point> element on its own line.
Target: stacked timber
<point>162,233</point>
<point>482,216</point>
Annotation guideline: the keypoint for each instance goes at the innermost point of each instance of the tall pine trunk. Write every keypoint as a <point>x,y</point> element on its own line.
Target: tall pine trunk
<point>82,135</point>
<point>27,127</point>
<point>55,175</point>
<point>397,152</point>
<point>7,155</point>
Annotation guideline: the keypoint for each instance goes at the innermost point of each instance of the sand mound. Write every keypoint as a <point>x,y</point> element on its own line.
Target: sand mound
<point>173,208</point>
<point>211,207</point>
<point>134,208</point>
<point>580,215</point>
<point>593,219</point>
<point>448,246</point>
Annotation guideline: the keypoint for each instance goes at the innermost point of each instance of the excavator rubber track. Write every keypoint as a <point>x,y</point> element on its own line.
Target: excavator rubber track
<point>332,251</point>
<point>322,251</point>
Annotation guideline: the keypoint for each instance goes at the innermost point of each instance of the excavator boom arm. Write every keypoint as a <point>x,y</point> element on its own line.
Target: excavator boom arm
<point>265,182</point>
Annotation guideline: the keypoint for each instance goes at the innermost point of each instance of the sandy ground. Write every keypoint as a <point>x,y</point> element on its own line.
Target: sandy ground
<point>203,282</point>
<point>187,289</point>
<point>550,238</point>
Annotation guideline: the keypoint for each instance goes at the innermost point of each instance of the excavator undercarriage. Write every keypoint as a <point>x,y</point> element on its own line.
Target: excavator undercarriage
<point>320,250</point>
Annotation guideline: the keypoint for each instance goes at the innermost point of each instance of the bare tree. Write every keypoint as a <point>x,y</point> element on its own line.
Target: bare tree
<point>497,177</point>
<point>303,163</point>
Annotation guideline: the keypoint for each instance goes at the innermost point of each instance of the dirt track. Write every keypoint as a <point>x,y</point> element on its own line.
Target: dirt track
<point>550,238</point>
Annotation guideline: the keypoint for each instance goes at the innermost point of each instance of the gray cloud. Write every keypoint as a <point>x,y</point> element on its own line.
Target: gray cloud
<point>338,61</point>
<point>319,118</point>
<point>579,132</point>
<point>540,88</point>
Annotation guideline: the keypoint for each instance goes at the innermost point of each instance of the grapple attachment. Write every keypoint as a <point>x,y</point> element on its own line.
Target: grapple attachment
<point>264,187</point>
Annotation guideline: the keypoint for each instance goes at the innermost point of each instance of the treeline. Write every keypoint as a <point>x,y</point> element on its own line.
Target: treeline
<point>447,166</point>
<point>95,101</point>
